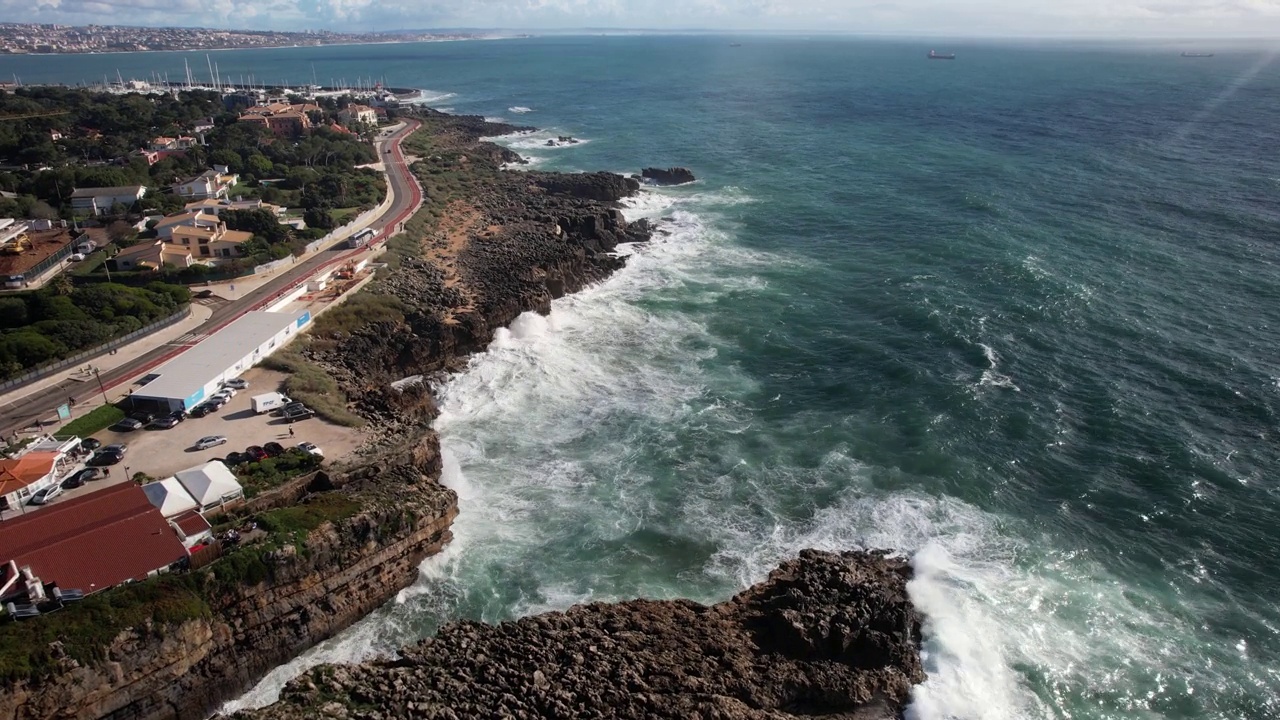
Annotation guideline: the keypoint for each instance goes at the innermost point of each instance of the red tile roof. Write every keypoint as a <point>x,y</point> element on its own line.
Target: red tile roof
<point>93,542</point>
<point>20,472</point>
<point>192,523</point>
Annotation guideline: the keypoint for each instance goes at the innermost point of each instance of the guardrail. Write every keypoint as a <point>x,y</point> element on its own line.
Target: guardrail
<point>46,370</point>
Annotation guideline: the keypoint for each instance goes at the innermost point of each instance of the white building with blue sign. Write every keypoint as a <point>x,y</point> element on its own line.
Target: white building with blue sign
<point>182,383</point>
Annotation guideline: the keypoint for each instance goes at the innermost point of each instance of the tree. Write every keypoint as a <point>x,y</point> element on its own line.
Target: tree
<point>259,165</point>
<point>120,232</point>
<point>13,312</point>
<point>318,217</point>
<point>62,285</point>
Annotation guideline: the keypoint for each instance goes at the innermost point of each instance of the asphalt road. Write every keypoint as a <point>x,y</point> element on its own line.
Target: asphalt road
<point>42,405</point>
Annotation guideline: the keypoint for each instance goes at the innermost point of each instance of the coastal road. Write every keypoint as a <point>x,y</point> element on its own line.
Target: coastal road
<point>21,412</point>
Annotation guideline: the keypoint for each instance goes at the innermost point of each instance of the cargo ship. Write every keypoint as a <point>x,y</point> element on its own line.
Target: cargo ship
<point>941,56</point>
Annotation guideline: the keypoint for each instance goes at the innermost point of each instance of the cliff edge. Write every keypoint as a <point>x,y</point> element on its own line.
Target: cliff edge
<point>827,634</point>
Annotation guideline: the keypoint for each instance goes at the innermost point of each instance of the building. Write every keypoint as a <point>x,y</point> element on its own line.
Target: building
<point>91,543</point>
<point>211,485</point>
<point>282,119</point>
<point>153,255</point>
<point>31,258</point>
<point>150,156</point>
<point>192,528</point>
<point>26,475</point>
<point>167,225</point>
<point>208,184</point>
<point>216,207</point>
<point>209,243</point>
<point>354,113</point>
<point>99,201</point>
<point>169,497</point>
<point>197,373</point>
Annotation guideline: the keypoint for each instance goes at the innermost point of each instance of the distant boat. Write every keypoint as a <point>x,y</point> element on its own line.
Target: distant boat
<point>735,44</point>
<point>1194,54</point>
<point>941,56</point>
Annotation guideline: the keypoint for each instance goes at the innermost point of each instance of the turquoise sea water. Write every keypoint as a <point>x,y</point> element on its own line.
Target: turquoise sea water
<point>1014,314</point>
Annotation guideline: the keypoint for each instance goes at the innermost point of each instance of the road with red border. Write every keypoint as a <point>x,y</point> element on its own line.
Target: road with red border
<point>42,404</point>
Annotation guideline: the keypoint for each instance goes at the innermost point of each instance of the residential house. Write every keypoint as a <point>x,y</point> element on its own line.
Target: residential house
<point>153,255</point>
<point>207,241</point>
<point>40,465</point>
<point>151,156</point>
<point>190,218</point>
<point>92,543</point>
<point>355,113</point>
<point>215,207</point>
<point>182,142</point>
<point>203,125</point>
<point>99,201</point>
<point>208,184</point>
<point>282,119</point>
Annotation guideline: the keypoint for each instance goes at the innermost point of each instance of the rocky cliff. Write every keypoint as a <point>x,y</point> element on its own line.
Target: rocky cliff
<point>830,635</point>
<point>500,243</point>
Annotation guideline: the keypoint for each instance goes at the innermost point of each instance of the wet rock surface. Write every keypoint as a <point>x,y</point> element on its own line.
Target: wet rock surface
<point>668,176</point>
<point>827,634</point>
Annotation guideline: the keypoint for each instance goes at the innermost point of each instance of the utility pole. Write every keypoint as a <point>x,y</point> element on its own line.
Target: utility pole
<point>98,377</point>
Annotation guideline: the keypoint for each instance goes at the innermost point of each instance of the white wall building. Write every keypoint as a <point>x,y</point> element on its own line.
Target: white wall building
<point>211,484</point>
<point>99,201</point>
<point>182,383</point>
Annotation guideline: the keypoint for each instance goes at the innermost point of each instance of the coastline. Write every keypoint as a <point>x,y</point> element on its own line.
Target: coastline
<point>539,236</point>
<point>268,47</point>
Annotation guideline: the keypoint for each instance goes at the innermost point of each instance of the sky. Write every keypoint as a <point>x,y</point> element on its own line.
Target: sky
<point>983,18</point>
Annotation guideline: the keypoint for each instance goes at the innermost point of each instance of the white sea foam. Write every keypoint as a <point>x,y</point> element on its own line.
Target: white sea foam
<point>494,119</point>
<point>519,110</point>
<point>430,97</point>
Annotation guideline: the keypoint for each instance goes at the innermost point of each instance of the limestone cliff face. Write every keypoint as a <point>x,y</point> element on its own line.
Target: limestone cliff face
<point>513,245</point>
<point>339,574</point>
<point>827,635</point>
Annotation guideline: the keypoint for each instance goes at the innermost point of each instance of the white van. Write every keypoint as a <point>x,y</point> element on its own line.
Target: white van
<point>269,402</point>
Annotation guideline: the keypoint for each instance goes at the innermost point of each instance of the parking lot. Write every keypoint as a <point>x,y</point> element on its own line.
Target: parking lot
<point>161,453</point>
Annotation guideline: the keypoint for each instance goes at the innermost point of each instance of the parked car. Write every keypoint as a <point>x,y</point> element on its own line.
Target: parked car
<point>216,402</point>
<point>143,417</point>
<point>209,441</point>
<point>127,425</point>
<point>80,478</point>
<point>76,257</point>
<point>117,448</point>
<point>227,390</point>
<point>301,413</point>
<point>255,453</point>
<point>274,449</point>
<point>45,495</point>
<point>201,410</point>
<point>90,444</point>
<point>165,422</point>
<point>102,457</point>
<point>236,384</point>
<point>235,458</point>
<point>310,449</point>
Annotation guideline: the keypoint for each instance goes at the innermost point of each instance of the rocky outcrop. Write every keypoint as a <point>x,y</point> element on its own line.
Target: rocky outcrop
<point>831,635</point>
<point>669,176</point>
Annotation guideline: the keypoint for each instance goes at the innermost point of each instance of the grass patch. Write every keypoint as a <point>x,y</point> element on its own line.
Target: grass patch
<point>87,627</point>
<point>258,477</point>
<point>309,384</point>
<point>97,419</point>
<point>342,215</point>
<point>296,522</point>
<point>357,311</point>
<point>93,263</point>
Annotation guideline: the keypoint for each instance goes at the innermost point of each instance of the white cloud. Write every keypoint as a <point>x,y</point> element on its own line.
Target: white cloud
<point>959,17</point>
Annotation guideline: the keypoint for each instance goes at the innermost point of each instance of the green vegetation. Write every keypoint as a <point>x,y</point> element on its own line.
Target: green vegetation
<point>91,422</point>
<point>86,628</point>
<point>60,320</point>
<point>296,522</point>
<point>309,384</point>
<point>242,567</point>
<point>271,473</point>
<point>357,311</point>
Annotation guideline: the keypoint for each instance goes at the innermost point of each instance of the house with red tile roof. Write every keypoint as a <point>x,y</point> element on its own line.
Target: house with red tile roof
<point>91,543</point>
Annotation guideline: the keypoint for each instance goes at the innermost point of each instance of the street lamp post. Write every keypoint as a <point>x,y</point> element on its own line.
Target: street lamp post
<point>98,377</point>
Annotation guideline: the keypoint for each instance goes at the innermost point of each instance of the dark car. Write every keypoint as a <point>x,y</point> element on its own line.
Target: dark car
<point>79,479</point>
<point>255,453</point>
<point>127,425</point>
<point>142,417</point>
<point>90,444</point>
<point>104,457</point>
<point>201,410</point>
<point>165,422</point>
<point>274,449</point>
<point>236,458</point>
<point>298,414</point>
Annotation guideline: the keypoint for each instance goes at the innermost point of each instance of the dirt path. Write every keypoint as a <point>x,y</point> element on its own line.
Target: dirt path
<point>460,223</point>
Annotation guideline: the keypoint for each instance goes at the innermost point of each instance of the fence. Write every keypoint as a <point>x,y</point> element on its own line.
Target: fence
<point>51,368</point>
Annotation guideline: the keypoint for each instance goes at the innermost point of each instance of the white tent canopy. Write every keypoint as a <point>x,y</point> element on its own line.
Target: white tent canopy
<point>170,497</point>
<point>211,484</point>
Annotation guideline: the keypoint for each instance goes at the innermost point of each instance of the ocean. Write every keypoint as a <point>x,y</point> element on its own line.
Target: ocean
<point>1015,315</point>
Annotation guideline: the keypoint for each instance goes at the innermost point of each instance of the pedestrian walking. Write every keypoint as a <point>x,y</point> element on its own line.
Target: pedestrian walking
<point>106,472</point>
<point>291,431</point>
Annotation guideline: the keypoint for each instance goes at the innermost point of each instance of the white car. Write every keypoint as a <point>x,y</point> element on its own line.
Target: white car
<point>209,441</point>
<point>236,384</point>
<point>311,449</point>
<point>47,494</point>
<point>77,257</point>
<point>226,390</point>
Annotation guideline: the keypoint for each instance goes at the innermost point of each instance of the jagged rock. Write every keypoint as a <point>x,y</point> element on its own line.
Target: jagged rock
<point>828,634</point>
<point>669,176</point>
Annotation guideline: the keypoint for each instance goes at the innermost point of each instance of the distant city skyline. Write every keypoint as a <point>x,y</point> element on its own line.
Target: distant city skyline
<point>961,18</point>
